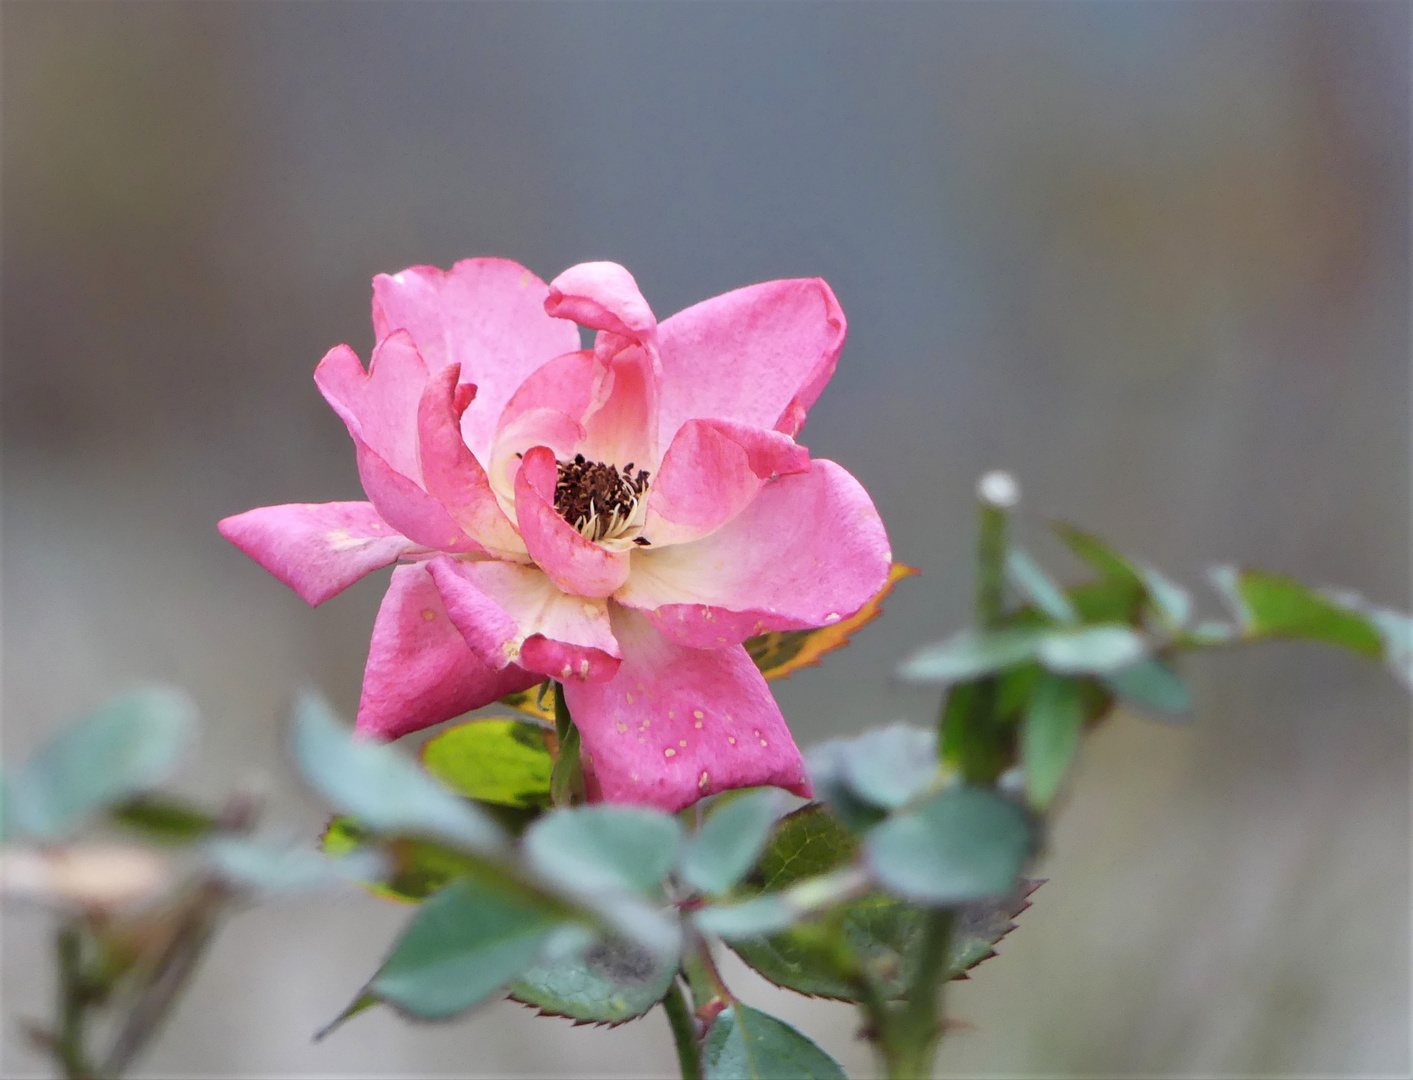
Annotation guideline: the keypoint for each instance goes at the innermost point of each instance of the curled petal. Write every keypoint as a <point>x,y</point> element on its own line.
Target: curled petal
<point>378,406</point>
<point>317,549</point>
<point>622,428</point>
<point>420,670</point>
<point>515,614</point>
<point>759,355</point>
<point>602,296</point>
<point>488,315</point>
<point>809,551</point>
<point>451,473</point>
<point>409,509</point>
<point>574,562</point>
<point>712,471</point>
<point>569,384</point>
<point>676,724</point>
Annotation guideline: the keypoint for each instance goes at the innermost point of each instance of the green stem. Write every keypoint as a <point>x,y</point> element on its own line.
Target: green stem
<point>918,1027</point>
<point>74,998</point>
<point>567,777</point>
<point>684,1031</point>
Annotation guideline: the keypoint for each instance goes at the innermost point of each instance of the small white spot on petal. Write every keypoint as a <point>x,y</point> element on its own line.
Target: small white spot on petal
<point>731,739</point>
<point>757,733</point>
<point>698,713</point>
<point>682,743</point>
<point>568,671</point>
<point>764,743</point>
<point>629,697</point>
<point>621,726</point>
<point>669,752</point>
<point>697,725</point>
<point>583,668</point>
<point>428,614</point>
<point>833,616</point>
<point>702,780</point>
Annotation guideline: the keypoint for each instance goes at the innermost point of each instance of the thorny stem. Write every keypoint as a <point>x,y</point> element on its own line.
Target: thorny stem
<point>684,1032</point>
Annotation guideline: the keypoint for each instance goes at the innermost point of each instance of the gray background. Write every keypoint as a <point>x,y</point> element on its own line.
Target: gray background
<point>1152,257</point>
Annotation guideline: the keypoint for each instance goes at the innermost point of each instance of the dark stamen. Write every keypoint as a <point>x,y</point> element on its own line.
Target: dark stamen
<point>597,499</point>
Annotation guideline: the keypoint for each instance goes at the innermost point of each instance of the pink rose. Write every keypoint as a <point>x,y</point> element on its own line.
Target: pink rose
<point>619,519</point>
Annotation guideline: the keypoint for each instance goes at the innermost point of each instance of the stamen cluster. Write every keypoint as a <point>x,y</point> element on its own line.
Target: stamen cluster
<point>597,499</point>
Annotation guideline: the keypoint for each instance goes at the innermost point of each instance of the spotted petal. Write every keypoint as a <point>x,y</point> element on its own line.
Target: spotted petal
<point>675,724</point>
<point>420,670</point>
<point>809,551</point>
<point>317,549</point>
<point>515,614</point>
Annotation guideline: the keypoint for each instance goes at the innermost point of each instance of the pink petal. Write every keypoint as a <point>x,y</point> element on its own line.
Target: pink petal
<point>420,670</point>
<point>676,724</point>
<point>379,406</point>
<point>569,384</point>
<point>317,549</point>
<point>536,427</point>
<point>451,473</point>
<point>515,614</point>
<point>759,355</point>
<point>485,314</point>
<point>712,471</point>
<point>405,506</point>
<point>622,429</point>
<point>575,563</point>
<point>602,296</point>
<point>809,551</point>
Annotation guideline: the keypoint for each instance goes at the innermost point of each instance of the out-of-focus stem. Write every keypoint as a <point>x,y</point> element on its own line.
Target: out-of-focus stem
<point>684,1032</point>
<point>74,996</point>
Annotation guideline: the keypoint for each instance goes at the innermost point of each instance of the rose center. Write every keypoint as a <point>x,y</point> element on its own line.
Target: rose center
<point>599,500</point>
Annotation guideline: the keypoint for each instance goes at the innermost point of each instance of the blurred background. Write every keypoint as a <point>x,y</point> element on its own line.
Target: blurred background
<point>1152,257</point>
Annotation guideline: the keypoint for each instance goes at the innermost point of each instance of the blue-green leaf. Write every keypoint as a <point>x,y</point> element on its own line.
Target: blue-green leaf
<point>603,847</point>
<point>129,746</point>
<point>1048,597</point>
<point>1050,737</point>
<point>1152,685</point>
<point>963,844</point>
<point>386,791</point>
<point>1272,605</point>
<point>719,853</point>
<point>464,944</point>
<point>971,654</point>
<point>747,1044</point>
<point>1090,649</point>
<point>889,766</point>
<point>273,868</point>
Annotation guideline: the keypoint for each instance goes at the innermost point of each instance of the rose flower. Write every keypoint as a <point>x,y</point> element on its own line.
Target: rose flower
<point>618,518</point>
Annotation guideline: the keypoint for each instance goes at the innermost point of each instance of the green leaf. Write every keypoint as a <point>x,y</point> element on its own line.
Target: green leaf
<point>1050,737</point>
<point>963,844</point>
<point>363,1002</point>
<point>1271,605</point>
<point>747,1044</point>
<point>419,867</point>
<point>611,982</point>
<point>761,915</point>
<point>1090,649</point>
<point>882,931</point>
<point>603,847</point>
<point>719,853</point>
<point>386,791</point>
<point>971,654</point>
<point>496,760</point>
<point>163,820</point>
<point>129,746</point>
<point>464,944</point>
<point>1026,573</point>
<point>1152,685</point>
<point>1099,555</point>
